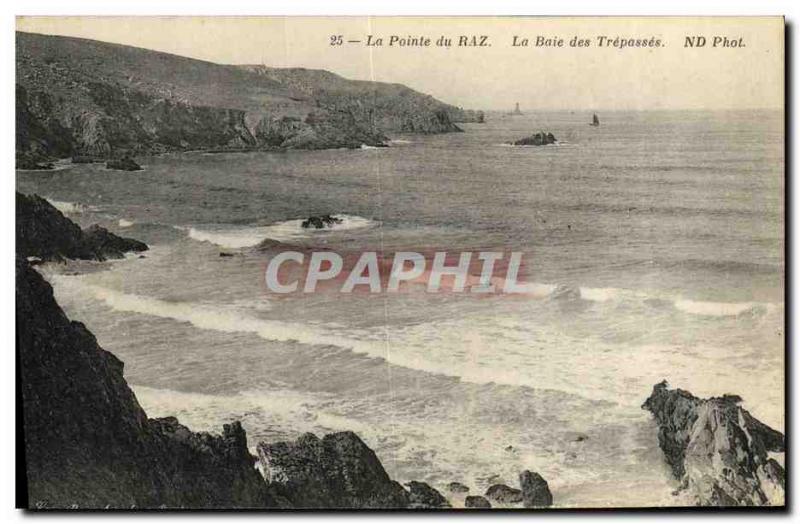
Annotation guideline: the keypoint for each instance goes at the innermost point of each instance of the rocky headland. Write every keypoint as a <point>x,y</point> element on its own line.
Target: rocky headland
<point>717,450</point>
<point>93,100</point>
<point>42,231</point>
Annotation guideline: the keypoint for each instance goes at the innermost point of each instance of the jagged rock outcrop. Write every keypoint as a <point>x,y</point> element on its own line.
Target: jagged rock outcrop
<point>457,487</point>
<point>318,130</point>
<point>503,494</point>
<point>44,232</point>
<point>535,491</point>
<point>88,443</point>
<point>477,502</point>
<point>717,449</point>
<point>537,139</point>
<point>423,496</point>
<point>337,471</point>
<point>125,163</point>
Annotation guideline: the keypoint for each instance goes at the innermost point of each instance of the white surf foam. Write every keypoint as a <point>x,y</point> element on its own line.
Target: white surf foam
<point>717,309</point>
<point>599,294</point>
<point>235,238</point>
<point>68,208</point>
<point>125,223</point>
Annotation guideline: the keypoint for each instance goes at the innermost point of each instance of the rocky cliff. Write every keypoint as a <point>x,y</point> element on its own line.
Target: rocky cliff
<point>717,449</point>
<point>45,233</point>
<point>392,108</point>
<point>86,98</point>
<point>89,444</point>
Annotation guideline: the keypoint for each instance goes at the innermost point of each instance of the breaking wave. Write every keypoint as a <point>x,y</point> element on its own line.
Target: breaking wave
<point>241,237</point>
<point>68,208</point>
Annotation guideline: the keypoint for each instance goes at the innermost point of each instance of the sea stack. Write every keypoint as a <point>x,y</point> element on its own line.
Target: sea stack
<point>717,449</point>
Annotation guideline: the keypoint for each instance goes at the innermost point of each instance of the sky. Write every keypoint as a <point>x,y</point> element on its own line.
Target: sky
<point>492,77</point>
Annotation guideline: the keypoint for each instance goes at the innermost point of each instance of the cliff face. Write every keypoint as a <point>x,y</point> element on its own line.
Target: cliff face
<point>82,97</point>
<point>717,449</point>
<point>87,440</point>
<point>43,232</point>
<point>387,107</point>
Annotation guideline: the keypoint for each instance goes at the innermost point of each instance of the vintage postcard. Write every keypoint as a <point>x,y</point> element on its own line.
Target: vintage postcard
<point>416,263</point>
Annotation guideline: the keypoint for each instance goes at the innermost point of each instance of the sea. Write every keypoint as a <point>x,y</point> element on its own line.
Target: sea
<point>656,241</point>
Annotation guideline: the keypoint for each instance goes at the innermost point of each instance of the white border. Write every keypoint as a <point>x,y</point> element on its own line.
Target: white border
<point>791,9</point>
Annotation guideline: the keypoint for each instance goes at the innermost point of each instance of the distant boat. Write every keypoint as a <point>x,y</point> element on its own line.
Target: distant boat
<point>516,110</point>
<point>595,121</point>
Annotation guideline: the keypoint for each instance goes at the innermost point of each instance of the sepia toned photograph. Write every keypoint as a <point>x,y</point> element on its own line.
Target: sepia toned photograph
<point>400,263</point>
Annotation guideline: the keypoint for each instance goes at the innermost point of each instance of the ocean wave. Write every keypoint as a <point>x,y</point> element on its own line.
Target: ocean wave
<point>68,208</point>
<point>241,237</point>
<point>722,309</point>
<point>599,294</point>
<point>472,349</point>
<point>125,223</point>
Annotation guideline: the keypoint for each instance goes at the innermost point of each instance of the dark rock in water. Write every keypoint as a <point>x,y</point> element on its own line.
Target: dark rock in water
<point>476,501</point>
<point>321,221</point>
<point>504,494</point>
<point>717,449</point>
<point>539,139</point>
<point>123,164</point>
<point>88,443</point>
<point>44,232</point>
<point>337,471</point>
<point>457,487</point>
<point>99,240</point>
<point>224,254</point>
<point>422,496</point>
<point>535,492</point>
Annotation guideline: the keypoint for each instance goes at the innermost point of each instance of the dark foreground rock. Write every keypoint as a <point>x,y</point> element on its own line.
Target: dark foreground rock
<point>457,487</point>
<point>337,471</point>
<point>535,491</point>
<point>88,443</point>
<point>718,450</point>
<point>476,501</point>
<point>99,240</point>
<point>504,494</point>
<point>539,139</point>
<point>320,222</point>
<point>123,164</point>
<point>43,231</point>
<point>422,496</point>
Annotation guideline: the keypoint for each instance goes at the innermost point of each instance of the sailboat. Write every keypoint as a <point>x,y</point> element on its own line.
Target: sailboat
<point>516,110</point>
<point>595,121</point>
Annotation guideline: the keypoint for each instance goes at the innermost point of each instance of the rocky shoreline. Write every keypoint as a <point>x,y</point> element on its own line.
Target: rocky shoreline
<point>94,101</point>
<point>89,444</point>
